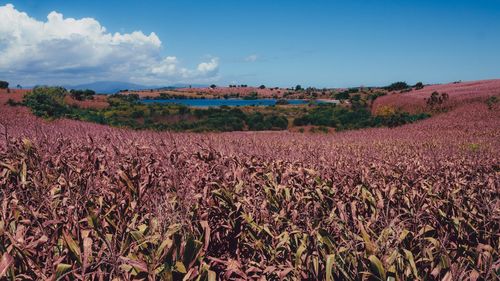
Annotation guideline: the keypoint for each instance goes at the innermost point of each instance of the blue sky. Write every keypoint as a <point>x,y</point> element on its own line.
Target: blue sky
<point>278,43</point>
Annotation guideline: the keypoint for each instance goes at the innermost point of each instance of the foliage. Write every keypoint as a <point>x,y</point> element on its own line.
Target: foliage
<point>81,95</point>
<point>4,84</point>
<point>335,116</point>
<point>437,99</point>
<point>344,95</point>
<point>258,122</point>
<point>419,86</point>
<point>120,99</point>
<point>397,86</point>
<point>372,97</point>
<point>12,102</point>
<point>129,111</point>
<point>262,87</point>
<point>81,201</point>
<point>491,101</point>
<point>47,102</point>
<point>398,118</point>
<point>343,118</point>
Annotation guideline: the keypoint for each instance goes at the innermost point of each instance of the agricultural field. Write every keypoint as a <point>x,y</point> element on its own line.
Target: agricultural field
<point>83,201</point>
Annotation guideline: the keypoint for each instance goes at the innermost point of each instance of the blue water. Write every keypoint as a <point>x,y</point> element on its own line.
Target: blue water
<point>221,102</point>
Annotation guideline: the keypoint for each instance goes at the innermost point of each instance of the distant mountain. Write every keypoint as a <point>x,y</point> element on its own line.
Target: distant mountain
<point>109,87</point>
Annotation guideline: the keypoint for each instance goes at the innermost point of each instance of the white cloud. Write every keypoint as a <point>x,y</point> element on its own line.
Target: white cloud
<point>209,67</point>
<point>252,58</point>
<point>62,50</point>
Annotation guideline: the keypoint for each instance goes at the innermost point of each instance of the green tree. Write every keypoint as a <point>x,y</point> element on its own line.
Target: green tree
<point>4,84</point>
<point>397,86</point>
<point>47,102</point>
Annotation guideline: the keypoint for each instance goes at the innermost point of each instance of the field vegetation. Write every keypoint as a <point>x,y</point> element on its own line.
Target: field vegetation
<point>85,201</point>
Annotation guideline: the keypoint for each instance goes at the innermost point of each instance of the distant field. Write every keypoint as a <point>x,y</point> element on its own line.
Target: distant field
<point>460,93</point>
<point>221,92</point>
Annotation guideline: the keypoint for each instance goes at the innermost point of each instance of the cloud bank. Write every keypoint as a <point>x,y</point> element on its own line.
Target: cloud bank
<point>75,50</point>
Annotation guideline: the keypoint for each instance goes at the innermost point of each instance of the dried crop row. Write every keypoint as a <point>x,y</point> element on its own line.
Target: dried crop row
<point>83,201</point>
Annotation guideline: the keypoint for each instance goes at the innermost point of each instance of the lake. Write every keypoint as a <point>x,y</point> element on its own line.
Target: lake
<point>221,102</point>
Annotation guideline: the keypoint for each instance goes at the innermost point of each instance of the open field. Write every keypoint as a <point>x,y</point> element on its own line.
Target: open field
<point>460,93</point>
<point>86,201</point>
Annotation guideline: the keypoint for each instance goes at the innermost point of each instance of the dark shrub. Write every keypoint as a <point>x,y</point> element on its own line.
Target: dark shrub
<point>82,94</point>
<point>397,86</point>
<point>4,84</point>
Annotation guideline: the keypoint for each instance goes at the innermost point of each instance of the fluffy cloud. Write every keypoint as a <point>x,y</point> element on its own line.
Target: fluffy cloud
<point>66,49</point>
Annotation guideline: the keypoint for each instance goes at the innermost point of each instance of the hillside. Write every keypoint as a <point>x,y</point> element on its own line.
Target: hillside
<point>459,94</point>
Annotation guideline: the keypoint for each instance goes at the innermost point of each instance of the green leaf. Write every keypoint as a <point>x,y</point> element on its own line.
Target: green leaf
<point>300,251</point>
<point>179,267</point>
<point>409,257</point>
<point>61,269</point>
<point>330,261</point>
<point>377,266</point>
<point>73,246</point>
<point>191,251</point>
<point>212,276</point>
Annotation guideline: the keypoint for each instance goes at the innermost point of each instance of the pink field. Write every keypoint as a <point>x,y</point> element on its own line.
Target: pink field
<point>85,201</point>
<point>460,93</point>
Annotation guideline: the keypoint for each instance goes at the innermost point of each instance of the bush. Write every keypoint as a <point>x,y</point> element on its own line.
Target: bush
<point>262,87</point>
<point>342,95</point>
<point>398,118</point>
<point>259,122</point>
<point>374,96</point>
<point>4,85</point>
<point>419,86</point>
<point>346,94</point>
<point>397,86</point>
<point>12,102</point>
<point>121,99</point>
<point>47,102</point>
<point>491,101</point>
<point>82,94</point>
<point>437,99</point>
